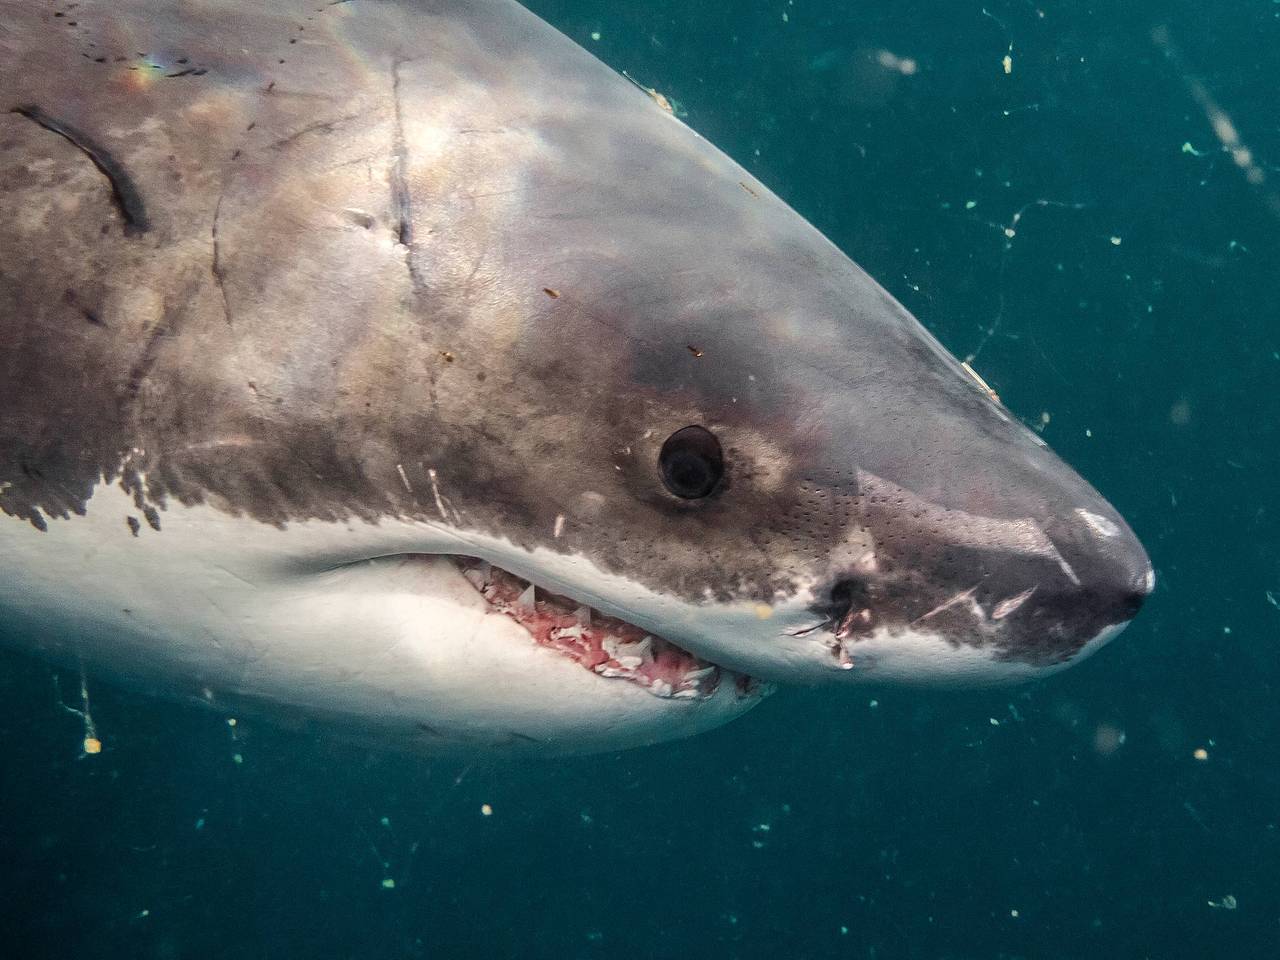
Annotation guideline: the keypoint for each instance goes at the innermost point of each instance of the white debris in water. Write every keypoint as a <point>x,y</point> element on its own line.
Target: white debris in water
<point>891,61</point>
<point>1107,739</point>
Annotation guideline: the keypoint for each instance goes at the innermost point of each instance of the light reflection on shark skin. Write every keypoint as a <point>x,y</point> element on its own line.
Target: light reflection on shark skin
<point>306,301</point>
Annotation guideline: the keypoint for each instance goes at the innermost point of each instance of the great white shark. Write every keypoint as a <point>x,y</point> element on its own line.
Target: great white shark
<point>397,363</point>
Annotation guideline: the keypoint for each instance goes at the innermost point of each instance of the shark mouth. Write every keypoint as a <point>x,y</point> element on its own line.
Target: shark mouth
<point>608,647</point>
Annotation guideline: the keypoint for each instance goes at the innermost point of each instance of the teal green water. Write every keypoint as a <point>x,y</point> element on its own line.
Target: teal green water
<point>1067,215</point>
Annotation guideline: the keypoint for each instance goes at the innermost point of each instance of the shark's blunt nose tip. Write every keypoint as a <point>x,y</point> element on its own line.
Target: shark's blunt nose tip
<point>1117,560</point>
<point>1136,579</point>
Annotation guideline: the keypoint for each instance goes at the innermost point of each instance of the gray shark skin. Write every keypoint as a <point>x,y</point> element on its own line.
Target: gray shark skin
<point>385,279</point>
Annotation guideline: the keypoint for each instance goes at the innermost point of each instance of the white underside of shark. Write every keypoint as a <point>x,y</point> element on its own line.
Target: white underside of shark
<point>374,626</point>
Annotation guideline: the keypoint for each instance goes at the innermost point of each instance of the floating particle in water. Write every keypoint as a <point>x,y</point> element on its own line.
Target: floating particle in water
<point>1107,739</point>
<point>388,883</point>
<point>90,743</point>
<point>486,810</point>
<point>1007,62</point>
<point>1219,120</point>
<point>1200,753</point>
<point>891,61</point>
<point>1226,903</point>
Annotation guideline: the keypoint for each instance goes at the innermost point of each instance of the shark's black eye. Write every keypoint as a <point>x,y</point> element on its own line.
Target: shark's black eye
<point>691,462</point>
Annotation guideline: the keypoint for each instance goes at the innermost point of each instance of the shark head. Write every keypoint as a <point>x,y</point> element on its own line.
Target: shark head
<point>453,387</point>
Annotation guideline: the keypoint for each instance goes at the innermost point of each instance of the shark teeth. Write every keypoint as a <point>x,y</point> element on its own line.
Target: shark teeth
<point>603,644</point>
<point>479,575</point>
<point>697,676</point>
<point>660,688</point>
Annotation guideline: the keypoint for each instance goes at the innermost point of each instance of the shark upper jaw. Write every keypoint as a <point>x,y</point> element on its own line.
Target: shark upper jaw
<point>688,650</point>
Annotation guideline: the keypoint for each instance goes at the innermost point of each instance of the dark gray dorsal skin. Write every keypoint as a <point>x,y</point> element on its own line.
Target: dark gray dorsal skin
<point>324,261</point>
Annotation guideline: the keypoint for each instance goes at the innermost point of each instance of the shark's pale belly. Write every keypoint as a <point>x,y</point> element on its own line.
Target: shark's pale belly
<point>230,610</point>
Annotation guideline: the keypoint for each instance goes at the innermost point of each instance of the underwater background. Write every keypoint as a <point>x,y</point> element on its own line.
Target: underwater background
<point>1085,199</point>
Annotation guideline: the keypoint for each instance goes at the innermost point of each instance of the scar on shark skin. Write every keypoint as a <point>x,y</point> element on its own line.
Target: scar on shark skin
<point>123,190</point>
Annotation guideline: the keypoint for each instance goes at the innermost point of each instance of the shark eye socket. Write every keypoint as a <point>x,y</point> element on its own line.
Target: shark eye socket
<point>691,462</point>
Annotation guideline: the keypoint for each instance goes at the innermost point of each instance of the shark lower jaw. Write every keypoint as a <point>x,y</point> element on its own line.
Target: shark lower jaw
<point>608,647</point>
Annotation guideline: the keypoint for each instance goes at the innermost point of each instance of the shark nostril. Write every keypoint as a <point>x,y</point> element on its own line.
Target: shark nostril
<point>1131,600</point>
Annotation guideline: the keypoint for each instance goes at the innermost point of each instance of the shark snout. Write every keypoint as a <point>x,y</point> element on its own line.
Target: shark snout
<point>951,595</point>
<point>1109,567</point>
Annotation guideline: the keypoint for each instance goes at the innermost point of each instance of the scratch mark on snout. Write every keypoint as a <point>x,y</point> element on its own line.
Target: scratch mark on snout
<point>123,190</point>
<point>216,267</point>
<point>320,126</point>
<point>1010,604</point>
<point>401,200</point>
<point>405,479</point>
<point>435,490</point>
<point>960,597</point>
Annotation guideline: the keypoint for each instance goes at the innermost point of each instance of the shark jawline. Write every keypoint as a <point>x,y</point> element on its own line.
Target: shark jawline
<point>607,646</point>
